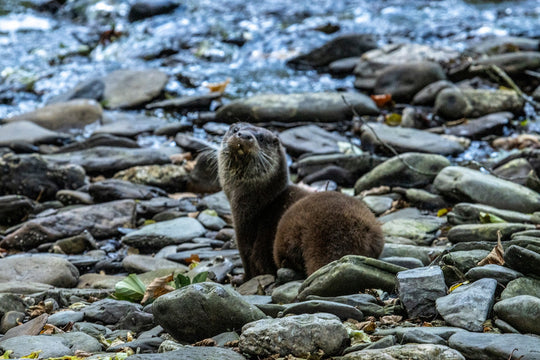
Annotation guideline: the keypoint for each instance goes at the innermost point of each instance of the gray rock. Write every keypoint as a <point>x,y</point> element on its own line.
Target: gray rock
<point>517,170</point>
<point>340,47</point>
<point>50,346</point>
<point>523,260</point>
<point>63,116</point>
<point>522,312</point>
<point>491,124</point>
<point>11,302</point>
<point>202,310</point>
<point>204,254</point>
<point>398,171</point>
<point>399,332</point>
<point>192,353</point>
<point>468,306</point>
<point>356,164</point>
<point>131,88</point>
<point>94,330</point>
<point>403,81</point>
<point>218,268</point>
<point>406,262</point>
<point>502,274</point>
<point>107,159</point>
<point>195,102</point>
<point>62,318</point>
<point>471,185</point>
<point>211,220</point>
<point>496,346</point>
<point>419,288</point>
<point>512,63</point>
<point>218,202</point>
<point>142,9</point>
<point>460,261</point>
<point>522,286</point>
<point>502,44</point>
<point>138,345</point>
<point>11,319</point>
<point>35,177</point>
<point>143,263</point>
<point>28,287</point>
<point>409,351</point>
<point>424,254</point>
<point>421,229</point>
<point>109,311</point>
<point>378,204</point>
<point>375,136</point>
<point>129,125</point>
<point>156,236</point>
<point>136,321</point>
<point>310,139</point>
<point>46,269</point>
<point>454,103</point>
<point>14,208</point>
<point>343,311</point>
<point>349,275</point>
<point>100,220</point>
<point>172,178</point>
<point>425,200</point>
<point>466,213</point>
<point>427,95</point>
<point>286,293</point>
<point>485,232</point>
<point>367,304</point>
<point>113,189</point>
<point>96,140</point>
<point>313,332</point>
<point>343,66</point>
<point>312,107</point>
<point>28,132</point>
<point>420,337</point>
<point>87,89</point>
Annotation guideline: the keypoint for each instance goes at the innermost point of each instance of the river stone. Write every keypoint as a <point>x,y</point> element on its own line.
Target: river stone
<point>343,311</point>
<point>14,208</point>
<point>399,171</point>
<point>129,125</point>
<point>463,261</point>
<point>502,44</point>
<point>427,95</point>
<point>106,159</point>
<point>399,332</point>
<point>46,269</point>
<point>211,220</point>
<point>523,260</point>
<point>310,107</point>
<point>28,287</point>
<point>425,200</point>
<point>375,136</point>
<point>422,229</point>
<point>419,288</point>
<point>496,346</point>
<point>11,319</point>
<point>96,140</point>
<point>354,163</point>
<point>517,170</point>
<point>10,302</point>
<point>101,220</point>
<point>403,81</point>
<point>114,189</point>
<point>464,213</point>
<point>172,178</point>
<point>350,274</point>
<point>62,318</point>
<point>217,202</point>
<point>502,274</point>
<point>35,177</point>
<point>192,353</point>
<point>367,304</point>
<point>522,312</point>
<point>156,236</point>
<point>466,184</point>
<point>87,89</point>
<point>423,253</point>
<point>183,103</point>
<point>199,311</point>
<point>408,351</point>
<point>63,116</point>
<point>109,311</point>
<point>50,346</point>
<point>312,332</point>
<point>485,232</point>
<point>310,139</point>
<point>491,124</point>
<point>512,63</point>
<point>378,204</point>
<point>340,47</point>
<point>132,88</point>
<point>28,132</point>
<point>468,306</point>
<point>454,103</point>
<point>522,286</point>
<point>143,263</point>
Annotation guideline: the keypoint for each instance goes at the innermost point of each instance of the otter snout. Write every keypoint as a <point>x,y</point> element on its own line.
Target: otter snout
<point>242,142</point>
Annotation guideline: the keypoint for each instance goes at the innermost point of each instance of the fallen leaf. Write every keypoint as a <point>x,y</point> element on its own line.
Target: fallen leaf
<point>184,195</point>
<point>392,119</point>
<point>487,218</point>
<point>180,158</point>
<point>218,87</point>
<point>381,100</point>
<point>454,287</point>
<point>192,258</point>
<point>49,329</point>
<point>206,342</point>
<point>32,355</point>
<point>443,212</point>
<point>496,256</point>
<point>380,190</point>
<point>159,286</point>
<point>390,319</point>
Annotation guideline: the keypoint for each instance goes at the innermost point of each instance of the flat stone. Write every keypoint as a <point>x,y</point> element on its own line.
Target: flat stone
<point>114,189</point>
<point>195,102</point>
<point>52,346</point>
<point>286,293</point>
<point>14,208</point>
<point>522,312</point>
<point>29,132</point>
<point>522,286</point>
<point>144,263</point>
<point>502,274</point>
<point>485,232</point>
<point>170,177</point>
<point>513,63</point>
<point>62,318</point>
<point>467,213</point>
<point>46,269</point>
<point>310,139</point>
<point>420,229</point>
<point>192,353</point>
<point>419,288</point>
<point>109,311</point>
<point>496,346</point>
<point>491,124</point>
<point>408,351</point>
<point>29,328</point>
<point>343,311</point>
<point>523,260</point>
<point>423,253</point>
<point>131,88</point>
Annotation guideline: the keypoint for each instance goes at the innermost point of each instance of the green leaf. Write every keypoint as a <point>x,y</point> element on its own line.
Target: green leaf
<point>131,289</point>
<point>200,277</point>
<point>487,218</point>
<point>181,281</point>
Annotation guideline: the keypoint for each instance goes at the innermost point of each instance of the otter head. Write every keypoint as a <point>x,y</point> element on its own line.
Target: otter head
<point>250,155</point>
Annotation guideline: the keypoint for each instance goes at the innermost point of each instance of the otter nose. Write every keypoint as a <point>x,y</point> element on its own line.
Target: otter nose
<point>244,135</point>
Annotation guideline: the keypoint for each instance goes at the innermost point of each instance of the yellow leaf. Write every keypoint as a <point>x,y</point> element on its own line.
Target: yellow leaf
<point>6,355</point>
<point>33,355</point>
<point>218,87</point>
<point>392,119</point>
<point>442,212</point>
<point>454,287</point>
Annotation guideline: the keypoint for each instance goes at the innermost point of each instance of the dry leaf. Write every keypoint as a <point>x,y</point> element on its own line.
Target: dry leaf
<point>82,353</point>
<point>192,258</point>
<point>206,342</point>
<point>391,319</point>
<point>159,286</point>
<point>180,158</point>
<point>36,310</point>
<point>496,256</point>
<point>367,326</point>
<point>381,100</point>
<point>521,142</point>
<point>381,190</point>
<point>49,329</point>
<point>427,324</point>
<point>194,214</point>
<point>218,87</point>
<point>184,195</point>
<point>233,343</point>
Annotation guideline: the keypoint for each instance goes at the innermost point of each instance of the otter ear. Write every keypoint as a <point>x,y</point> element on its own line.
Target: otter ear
<point>276,140</point>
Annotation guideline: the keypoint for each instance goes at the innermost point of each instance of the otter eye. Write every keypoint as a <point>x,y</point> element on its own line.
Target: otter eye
<point>235,129</point>
<point>276,141</point>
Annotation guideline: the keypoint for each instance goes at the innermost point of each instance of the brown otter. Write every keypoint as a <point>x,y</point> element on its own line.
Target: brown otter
<point>317,229</point>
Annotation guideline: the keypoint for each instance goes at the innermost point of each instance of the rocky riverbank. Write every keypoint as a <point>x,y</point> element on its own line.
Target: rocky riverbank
<point>115,176</point>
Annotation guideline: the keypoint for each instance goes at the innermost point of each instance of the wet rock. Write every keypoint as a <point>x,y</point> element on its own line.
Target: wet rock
<point>468,306</point>
<point>403,81</point>
<point>62,318</point>
<point>218,202</point>
<point>114,189</point>
<point>453,103</point>
<point>312,107</point>
<point>425,200</point>
<point>485,232</point>
<point>471,185</point>
<point>96,140</point>
<point>51,346</point>
<point>398,171</point>
<point>100,220</point>
<point>428,94</point>
<point>254,285</point>
<point>502,274</point>
<point>495,346</point>
<point>105,159</point>
<point>177,207</point>
<point>132,88</point>
<point>512,63</point>
<point>367,304</point>
<point>349,275</point>
<point>310,139</point>
<point>202,310</point>
<point>218,268</point>
<point>128,125</point>
<point>422,253</point>
<point>376,135</point>
<point>463,261</point>
<point>28,132</point>
<point>44,269</point>
<point>519,171</point>
<point>109,311</point>
<point>343,46</point>
<point>76,244</point>
<point>286,293</point>
<point>343,66</point>
<point>211,220</point>
<point>522,286</point>
<point>139,345</point>
<point>378,204</point>
<point>313,332</point>
<point>466,213</point>
<point>503,44</point>
<point>522,312</point>
<point>63,116</point>
<point>408,351</point>
<point>143,263</point>
<point>195,102</point>
<point>98,281</point>
<point>31,327</point>
<point>28,287</point>
<point>406,262</point>
<point>156,236</point>
<point>192,352</point>
<point>522,260</point>
<point>203,254</point>
<point>10,320</point>
<point>14,208</point>
<point>34,176</point>
<point>356,164</point>
<point>136,321</point>
<point>419,288</point>
<point>400,332</point>
<point>144,9</point>
<point>11,302</point>
<point>421,229</point>
<point>491,124</point>
<point>74,197</point>
<point>88,89</point>
<point>343,311</point>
